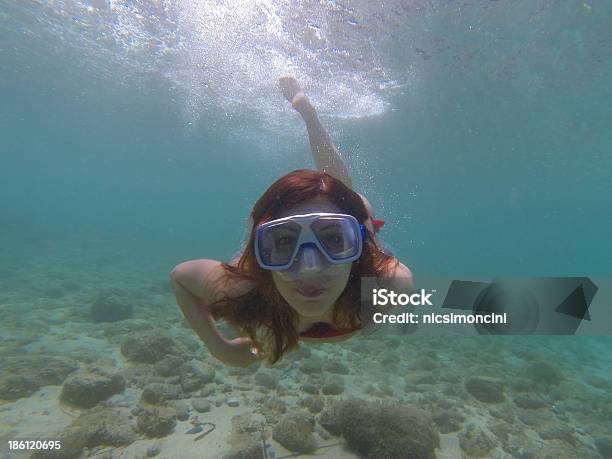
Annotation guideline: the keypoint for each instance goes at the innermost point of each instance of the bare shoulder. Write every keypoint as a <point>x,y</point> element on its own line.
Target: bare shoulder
<point>209,279</point>
<point>399,275</point>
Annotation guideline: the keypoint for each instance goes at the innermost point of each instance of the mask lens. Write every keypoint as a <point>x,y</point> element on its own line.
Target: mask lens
<point>277,243</point>
<point>337,235</point>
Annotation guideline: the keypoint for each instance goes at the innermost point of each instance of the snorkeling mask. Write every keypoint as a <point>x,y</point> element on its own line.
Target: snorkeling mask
<point>338,237</point>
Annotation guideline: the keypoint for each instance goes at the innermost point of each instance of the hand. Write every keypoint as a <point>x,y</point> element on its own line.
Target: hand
<point>292,91</point>
<point>240,343</point>
<point>289,87</point>
<point>242,352</point>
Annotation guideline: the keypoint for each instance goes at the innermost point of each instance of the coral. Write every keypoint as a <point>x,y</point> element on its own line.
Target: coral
<point>99,426</point>
<point>313,404</point>
<point>544,373</point>
<point>87,388</point>
<point>251,450</point>
<point>247,437</point>
<point>168,365</point>
<point>448,420</point>
<point>475,442</point>
<point>110,308</point>
<point>195,374</point>
<point>24,375</point>
<point>13,387</point>
<point>390,431</point>
<point>485,390</point>
<point>157,421</point>
<point>530,402</point>
<point>156,393</point>
<point>115,331</point>
<point>561,432</point>
<point>295,432</point>
<point>266,379</point>
<point>149,346</point>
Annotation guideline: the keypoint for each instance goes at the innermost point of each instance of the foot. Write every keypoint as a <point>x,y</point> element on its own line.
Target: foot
<point>293,93</point>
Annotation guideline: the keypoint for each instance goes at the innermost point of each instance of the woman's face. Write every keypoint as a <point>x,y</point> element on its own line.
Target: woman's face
<point>312,288</point>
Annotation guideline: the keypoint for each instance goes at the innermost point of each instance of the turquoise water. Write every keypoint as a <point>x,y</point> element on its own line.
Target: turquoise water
<point>137,135</point>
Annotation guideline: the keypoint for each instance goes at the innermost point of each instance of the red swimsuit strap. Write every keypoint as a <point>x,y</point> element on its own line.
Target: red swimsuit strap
<point>378,224</point>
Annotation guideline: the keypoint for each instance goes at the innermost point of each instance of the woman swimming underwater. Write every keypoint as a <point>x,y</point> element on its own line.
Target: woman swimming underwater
<point>312,238</point>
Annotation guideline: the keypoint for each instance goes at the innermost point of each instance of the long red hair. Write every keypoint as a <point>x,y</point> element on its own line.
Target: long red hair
<point>262,313</point>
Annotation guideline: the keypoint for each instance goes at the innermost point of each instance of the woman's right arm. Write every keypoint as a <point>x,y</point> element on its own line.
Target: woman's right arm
<point>324,152</point>
<point>192,282</point>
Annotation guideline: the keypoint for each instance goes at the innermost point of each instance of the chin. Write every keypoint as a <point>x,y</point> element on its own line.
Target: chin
<point>313,306</point>
<point>310,310</point>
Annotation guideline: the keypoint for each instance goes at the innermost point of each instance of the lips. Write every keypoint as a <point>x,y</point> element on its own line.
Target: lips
<point>310,290</point>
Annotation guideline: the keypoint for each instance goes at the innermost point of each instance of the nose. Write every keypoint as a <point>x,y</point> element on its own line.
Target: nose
<point>309,258</point>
